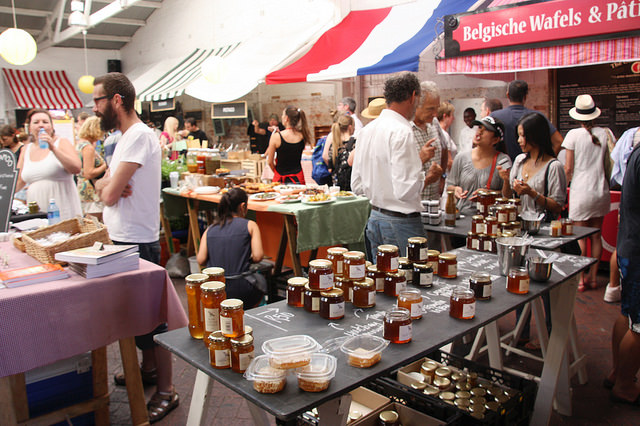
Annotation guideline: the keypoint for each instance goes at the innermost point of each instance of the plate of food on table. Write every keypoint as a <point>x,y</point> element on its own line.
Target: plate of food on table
<point>263,196</point>
<point>320,198</point>
<point>288,198</point>
<point>344,195</point>
<point>289,189</point>
<point>309,191</point>
<point>258,187</point>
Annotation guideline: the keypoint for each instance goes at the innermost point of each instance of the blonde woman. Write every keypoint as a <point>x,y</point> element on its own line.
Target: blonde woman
<point>169,135</point>
<point>337,150</point>
<point>93,166</point>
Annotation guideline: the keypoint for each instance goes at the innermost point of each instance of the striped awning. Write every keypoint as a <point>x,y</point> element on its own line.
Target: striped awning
<point>187,70</point>
<point>42,89</point>
<point>571,55</point>
<point>376,41</point>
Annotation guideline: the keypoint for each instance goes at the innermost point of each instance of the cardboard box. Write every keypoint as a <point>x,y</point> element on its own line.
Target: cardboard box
<point>403,376</point>
<point>231,164</point>
<point>368,403</point>
<point>408,417</point>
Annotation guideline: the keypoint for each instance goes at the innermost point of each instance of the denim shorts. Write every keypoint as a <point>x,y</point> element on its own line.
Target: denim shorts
<point>630,295</point>
<point>387,229</point>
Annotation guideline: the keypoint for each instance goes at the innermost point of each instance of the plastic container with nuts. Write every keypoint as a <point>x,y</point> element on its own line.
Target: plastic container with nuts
<point>317,375</point>
<point>265,378</point>
<point>290,351</point>
<point>364,351</point>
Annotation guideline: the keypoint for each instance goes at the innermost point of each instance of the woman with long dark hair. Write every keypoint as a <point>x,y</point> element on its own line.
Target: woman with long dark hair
<point>10,140</point>
<point>232,243</point>
<point>289,144</point>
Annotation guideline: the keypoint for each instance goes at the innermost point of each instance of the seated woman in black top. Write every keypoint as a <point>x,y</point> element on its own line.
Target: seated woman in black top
<point>289,145</point>
<point>232,243</point>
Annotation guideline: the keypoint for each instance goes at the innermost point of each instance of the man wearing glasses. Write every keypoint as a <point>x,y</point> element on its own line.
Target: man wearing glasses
<point>130,192</point>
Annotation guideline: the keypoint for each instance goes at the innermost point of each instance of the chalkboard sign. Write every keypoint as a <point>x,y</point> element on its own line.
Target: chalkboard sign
<point>163,105</point>
<point>615,88</point>
<point>8,175</point>
<point>229,110</point>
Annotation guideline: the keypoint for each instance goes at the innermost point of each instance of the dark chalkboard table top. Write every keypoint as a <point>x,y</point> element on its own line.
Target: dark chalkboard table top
<point>541,240</point>
<point>436,328</point>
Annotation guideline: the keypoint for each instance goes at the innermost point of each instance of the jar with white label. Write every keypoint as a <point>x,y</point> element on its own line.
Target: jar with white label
<point>335,255</point>
<point>377,277</point>
<point>480,283</point>
<point>219,350</point>
<point>212,294</point>
<point>354,265</point>
<point>387,258</point>
<point>394,283</point>
<point>320,274</point>
<point>332,304</point>
<point>311,299</point>
<point>462,303</point>
<point>518,280</point>
<point>447,265</point>
<point>232,317</point>
<point>295,290</point>
<point>422,275</point>
<point>417,249</point>
<point>241,353</point>
<point>411,299</point>
<point>397,325</point>
<point>364,293</point>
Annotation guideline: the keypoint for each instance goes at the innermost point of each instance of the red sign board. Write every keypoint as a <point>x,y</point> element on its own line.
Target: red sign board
<point>539,23</point>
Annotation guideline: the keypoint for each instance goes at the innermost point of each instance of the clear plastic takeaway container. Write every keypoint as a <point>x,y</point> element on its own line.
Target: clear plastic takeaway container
<point>265,378</point>
<point>290,351</point>
<point>317,375</point>
<point>364,351</point>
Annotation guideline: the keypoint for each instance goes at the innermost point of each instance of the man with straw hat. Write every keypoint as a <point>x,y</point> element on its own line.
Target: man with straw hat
<point>374,109</point>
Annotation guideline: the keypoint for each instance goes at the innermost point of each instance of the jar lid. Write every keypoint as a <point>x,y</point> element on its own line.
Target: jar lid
<point>404,261</point>
<point>389,416</point>
<point>500,208</point>
<point>367,263</point>
<point>231,304</point>
<point>433,253</point>
<point>443,372</point>
<point>477,408</point>
<point>213,271</point>
<point>480,277</point>
<point>494,192</point>
<point>244,340</point>
<point>399,274</point>
<point>372,268</point>
<point>388,248</point>
<point>212,286</point>
<point>483,191</point>
<point>313,290</point>
<point>320,263</point>
<point>478,392</point>
<point>366,283</point>
<point>492,406</point>
<point>337,250</point>
<point>490,219</point>
<point>424,267</point>
<point>482,235</point>
<point>477,217</point>
<point>196,278</point>
<point>463,394</point>
<point>419,385</point>
<point>248,330</point>
<point>447,396</point>
<point>441,382</point>
<point>334,292</point>
<point>432,391</point>
<point>297,281</point>
<point>448,256</point>
<point>429,366</point>
<point>417,240</point>
<point>462,403</point>
<point>354,255</point>
<point>218,337</point>
<point>471,234</point>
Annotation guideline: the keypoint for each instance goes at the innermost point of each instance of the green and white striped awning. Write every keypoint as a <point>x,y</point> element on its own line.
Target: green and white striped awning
<point>174,82</point>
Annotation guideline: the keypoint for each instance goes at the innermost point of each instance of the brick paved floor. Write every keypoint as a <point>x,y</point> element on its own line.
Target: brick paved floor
<point>591,401</point>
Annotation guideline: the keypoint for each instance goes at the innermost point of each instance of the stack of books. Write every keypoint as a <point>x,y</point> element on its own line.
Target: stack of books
<point>100,259</point>
<point>32,275</point>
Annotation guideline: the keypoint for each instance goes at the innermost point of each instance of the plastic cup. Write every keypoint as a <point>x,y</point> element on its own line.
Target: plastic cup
<point>174,177</point>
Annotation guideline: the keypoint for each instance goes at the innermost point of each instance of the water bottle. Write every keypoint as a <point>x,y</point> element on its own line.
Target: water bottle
<point>53,213</point>
<point>43,144</point>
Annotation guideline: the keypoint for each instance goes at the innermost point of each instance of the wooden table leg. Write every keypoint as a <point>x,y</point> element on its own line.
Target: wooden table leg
<point>199,399</point>
<point>493,345</point>
<point>282,248</point>
<point>166,229</point>
<point>100,383</point>
<point>290,225</point>
<point>135,391</point>
<point>8,414</point>
<point>194,228</point>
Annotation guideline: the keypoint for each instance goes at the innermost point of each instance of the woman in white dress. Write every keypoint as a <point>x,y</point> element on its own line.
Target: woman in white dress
<point>49,171</point>
<point>589,199</point>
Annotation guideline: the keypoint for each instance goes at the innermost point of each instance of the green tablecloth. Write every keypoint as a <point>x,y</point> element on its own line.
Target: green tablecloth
<point>340,222</point>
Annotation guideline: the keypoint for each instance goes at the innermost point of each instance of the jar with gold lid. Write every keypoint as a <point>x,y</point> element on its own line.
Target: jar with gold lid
<point>354,265</point>
<point>491,223</point>
<point>516,202</point>
<point>388,418</point>
<point>480,283</point>
<point>332,304</point>
<point>364,293</point>
<point>397,325</point>
<point>311,299</point>
<point>518,280</point>
<point>377,277</point>
<point>320,274</point>
<point>483,201</point>
<point>194,304</point>
<point>346,286</point>
<point>212,294</point>
<point>417,249</point>
<point>448,265</point>
<point>295,291</point>
<point>335,256</point>
<point>387,258</point>
<point>214,273</point>
<point>232,317</point>
<point>462,303</point>
<point>394,283</point>
<point>241,353</point>
<point>502,214</point>
<point>566,226</point>
<point>219,350</point>
<point>406,266</point>
<point>478,225</point>
<point>432,256</point>
<point>484,242</point>
<point>512,212</point>
<point>472,241</point>
<point>423,275</point>
<point>411,299</point>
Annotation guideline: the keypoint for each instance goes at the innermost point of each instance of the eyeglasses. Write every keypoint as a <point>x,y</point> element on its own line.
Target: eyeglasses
<point>96,100</point>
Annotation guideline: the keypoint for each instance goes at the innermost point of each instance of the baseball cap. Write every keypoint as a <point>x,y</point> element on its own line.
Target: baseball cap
<point>492,124</point>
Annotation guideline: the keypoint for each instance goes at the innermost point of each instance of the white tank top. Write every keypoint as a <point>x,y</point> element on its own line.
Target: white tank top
<point>48,168</point>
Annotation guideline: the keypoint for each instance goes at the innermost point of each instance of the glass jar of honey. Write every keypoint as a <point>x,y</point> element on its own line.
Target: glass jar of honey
<point>417,249</point>
<point>387,258</point>
<point>462,303</point>
<point>491,223</point>
<point>332,304</point>
<point>482,203</point>
<point>364,293</point>
<point>194,305</point>
<point>411,299</point>
<point>335,255</point>
<point>502,214</point>
<point>377,277</point>
<point>232,317</point>
<point>219,350</point>
<point>311,299</point>
<point>480,283</point>
<point>406,266</point>
<point>354,265</point>
<point>432,256</point>
<point>397,325</point>
<point>512,212</point>
<point>478,225</point>
<point>241,353</point>
<point>320,274</point>
<point>555,228</point>
<point>422,275</point>
<point>346,286</point>
<point>214,273</point>
<point>566,226</point>
<point>394,283</point>
<point>516,202</point>
<point>213,293</point>
<point>448,265</point>
<point>518,280</point>
<point>295,291</point>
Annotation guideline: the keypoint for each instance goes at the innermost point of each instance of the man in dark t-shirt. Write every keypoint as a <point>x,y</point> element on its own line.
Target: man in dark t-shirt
<point>260,133</point>
<point>626,331</point>
<point>190,124</point>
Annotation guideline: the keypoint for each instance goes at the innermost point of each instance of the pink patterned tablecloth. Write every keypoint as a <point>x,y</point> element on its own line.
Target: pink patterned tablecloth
<point>47,322</point>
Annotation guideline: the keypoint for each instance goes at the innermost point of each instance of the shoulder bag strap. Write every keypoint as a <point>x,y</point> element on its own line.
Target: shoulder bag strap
<point>493,169</point>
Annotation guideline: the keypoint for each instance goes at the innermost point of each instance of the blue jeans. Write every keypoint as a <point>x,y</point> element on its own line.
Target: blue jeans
<point>386,229</point>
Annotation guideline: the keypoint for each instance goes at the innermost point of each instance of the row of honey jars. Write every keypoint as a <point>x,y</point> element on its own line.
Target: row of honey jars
<point>235,353</point>
<point>484,225</point>
<point>485,199</point>
<point>360,293</point>
<point>203,321</point>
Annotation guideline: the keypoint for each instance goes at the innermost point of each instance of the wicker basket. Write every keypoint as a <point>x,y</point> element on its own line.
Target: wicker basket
<point>84,232</point>
<point>18,243</point>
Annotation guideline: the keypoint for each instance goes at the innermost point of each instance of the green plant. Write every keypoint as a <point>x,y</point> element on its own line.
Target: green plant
<point>169,166</point>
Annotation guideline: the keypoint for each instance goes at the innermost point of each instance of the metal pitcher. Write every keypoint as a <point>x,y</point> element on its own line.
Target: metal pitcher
<point>512,251</point>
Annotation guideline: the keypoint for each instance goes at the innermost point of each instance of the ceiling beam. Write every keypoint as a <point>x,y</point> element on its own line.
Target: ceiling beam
<point>90,37</point>
<point>148,4</point>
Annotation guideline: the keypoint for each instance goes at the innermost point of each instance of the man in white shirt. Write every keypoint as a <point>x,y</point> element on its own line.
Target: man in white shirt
<point>348,105</point>
<point>130,192</point>
<point>387,170</point>
<point>468,132</point>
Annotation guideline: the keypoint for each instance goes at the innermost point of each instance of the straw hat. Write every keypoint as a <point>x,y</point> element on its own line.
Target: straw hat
<point>585,109</point>
<point>375,108</point>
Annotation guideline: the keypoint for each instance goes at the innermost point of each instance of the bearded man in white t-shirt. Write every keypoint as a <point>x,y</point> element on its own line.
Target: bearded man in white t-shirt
<point>130,191</point>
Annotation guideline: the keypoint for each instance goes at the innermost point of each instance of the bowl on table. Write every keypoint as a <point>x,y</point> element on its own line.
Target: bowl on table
<point>539,268</point>
<point>532,226</point>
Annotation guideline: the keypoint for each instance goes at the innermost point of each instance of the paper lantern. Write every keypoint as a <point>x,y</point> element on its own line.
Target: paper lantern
<point>214,69</point>
<point>85,83</point>
<point>17,46</point>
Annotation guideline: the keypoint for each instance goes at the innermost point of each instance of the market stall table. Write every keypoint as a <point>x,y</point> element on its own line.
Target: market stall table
<point>46,322</point>
<point>305,227</point>
<point>434,330</point>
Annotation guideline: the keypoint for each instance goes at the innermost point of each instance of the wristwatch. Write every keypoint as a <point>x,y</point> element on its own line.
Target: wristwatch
<point>444,175</point>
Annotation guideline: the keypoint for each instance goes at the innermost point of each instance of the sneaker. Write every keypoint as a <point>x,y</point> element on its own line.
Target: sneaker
<point>612,294</point>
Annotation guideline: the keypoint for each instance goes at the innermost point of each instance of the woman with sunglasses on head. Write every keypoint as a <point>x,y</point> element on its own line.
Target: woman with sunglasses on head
<point>48,165</point>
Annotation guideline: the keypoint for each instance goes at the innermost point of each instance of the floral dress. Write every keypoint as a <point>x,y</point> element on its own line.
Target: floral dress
<point>89,200</point>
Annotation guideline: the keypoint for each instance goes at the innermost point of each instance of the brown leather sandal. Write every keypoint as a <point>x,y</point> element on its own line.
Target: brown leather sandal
<point>149,378</point>
<point>160,405</point>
